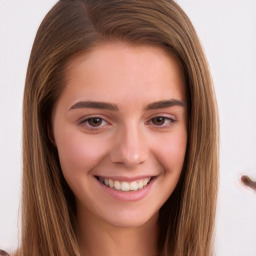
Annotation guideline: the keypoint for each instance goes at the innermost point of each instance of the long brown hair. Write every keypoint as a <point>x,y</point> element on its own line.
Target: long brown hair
<point>75,26</point>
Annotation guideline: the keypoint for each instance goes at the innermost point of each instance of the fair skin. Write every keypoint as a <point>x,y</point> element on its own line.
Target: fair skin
<point>120,127</point>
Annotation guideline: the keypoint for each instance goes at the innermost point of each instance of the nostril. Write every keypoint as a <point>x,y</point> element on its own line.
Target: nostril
<point>128,157</point>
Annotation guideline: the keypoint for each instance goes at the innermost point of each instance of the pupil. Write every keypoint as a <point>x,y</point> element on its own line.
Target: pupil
<point>95,121</point>
<point>158,120</point>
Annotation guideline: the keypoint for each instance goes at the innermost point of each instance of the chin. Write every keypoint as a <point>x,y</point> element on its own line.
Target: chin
<point>127,219</point>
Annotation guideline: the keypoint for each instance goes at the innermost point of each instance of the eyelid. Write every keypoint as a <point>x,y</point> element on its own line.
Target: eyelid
<point>171,119</point>
<point>83,122</point>
<point>168,117</point>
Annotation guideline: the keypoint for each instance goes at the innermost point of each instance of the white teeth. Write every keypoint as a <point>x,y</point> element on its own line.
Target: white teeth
<point>145,182</point>
<point>134,186</point>
<point>141,184</point>
<point>106,182</point>
<point>117,185</point>
<point>124,185</point>
<point>110,183</point>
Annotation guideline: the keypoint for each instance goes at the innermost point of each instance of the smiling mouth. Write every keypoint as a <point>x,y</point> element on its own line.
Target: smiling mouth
<point>124,185</point>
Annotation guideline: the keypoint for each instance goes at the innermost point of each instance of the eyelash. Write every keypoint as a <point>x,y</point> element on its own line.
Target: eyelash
<point>168,119</point>
<point>85,122</point>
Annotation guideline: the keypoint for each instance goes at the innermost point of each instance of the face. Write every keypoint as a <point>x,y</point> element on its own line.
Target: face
<point>120,130</point>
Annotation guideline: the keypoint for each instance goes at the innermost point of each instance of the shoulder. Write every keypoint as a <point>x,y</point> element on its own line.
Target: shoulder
<point>3,253</point>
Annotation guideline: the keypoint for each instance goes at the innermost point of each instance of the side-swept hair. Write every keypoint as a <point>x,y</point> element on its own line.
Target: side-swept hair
<point>73,27</point>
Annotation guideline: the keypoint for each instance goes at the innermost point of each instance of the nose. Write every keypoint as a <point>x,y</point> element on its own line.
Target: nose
<point>130,147</point>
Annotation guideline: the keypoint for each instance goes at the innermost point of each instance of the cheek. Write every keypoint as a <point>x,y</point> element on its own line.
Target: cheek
<point>172,151</point>
<point>79,153</point>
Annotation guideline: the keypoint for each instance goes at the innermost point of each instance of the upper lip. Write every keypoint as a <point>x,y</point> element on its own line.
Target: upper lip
<point>125,178</point>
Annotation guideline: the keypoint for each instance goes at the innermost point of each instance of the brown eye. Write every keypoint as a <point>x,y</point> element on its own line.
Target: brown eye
<point>160,120</point>
<point>94,122</point>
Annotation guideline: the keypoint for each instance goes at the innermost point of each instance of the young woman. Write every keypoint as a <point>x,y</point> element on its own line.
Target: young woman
<point>120,133</point>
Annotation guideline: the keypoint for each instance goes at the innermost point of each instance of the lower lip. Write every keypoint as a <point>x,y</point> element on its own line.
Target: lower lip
<point>130,196</point>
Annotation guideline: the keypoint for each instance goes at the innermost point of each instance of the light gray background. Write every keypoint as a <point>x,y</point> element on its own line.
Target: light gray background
<point>227,29</point>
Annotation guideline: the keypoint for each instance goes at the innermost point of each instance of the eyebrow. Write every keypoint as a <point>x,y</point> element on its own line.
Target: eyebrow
<point>95,104</point>
<point>114,107</point>
<point>165,104</point>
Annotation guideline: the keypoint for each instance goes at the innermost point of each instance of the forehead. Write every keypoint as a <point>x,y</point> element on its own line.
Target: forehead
<point>120,69</point>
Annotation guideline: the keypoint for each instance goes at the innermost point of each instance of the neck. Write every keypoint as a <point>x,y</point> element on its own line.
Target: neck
<point>97,239</point>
